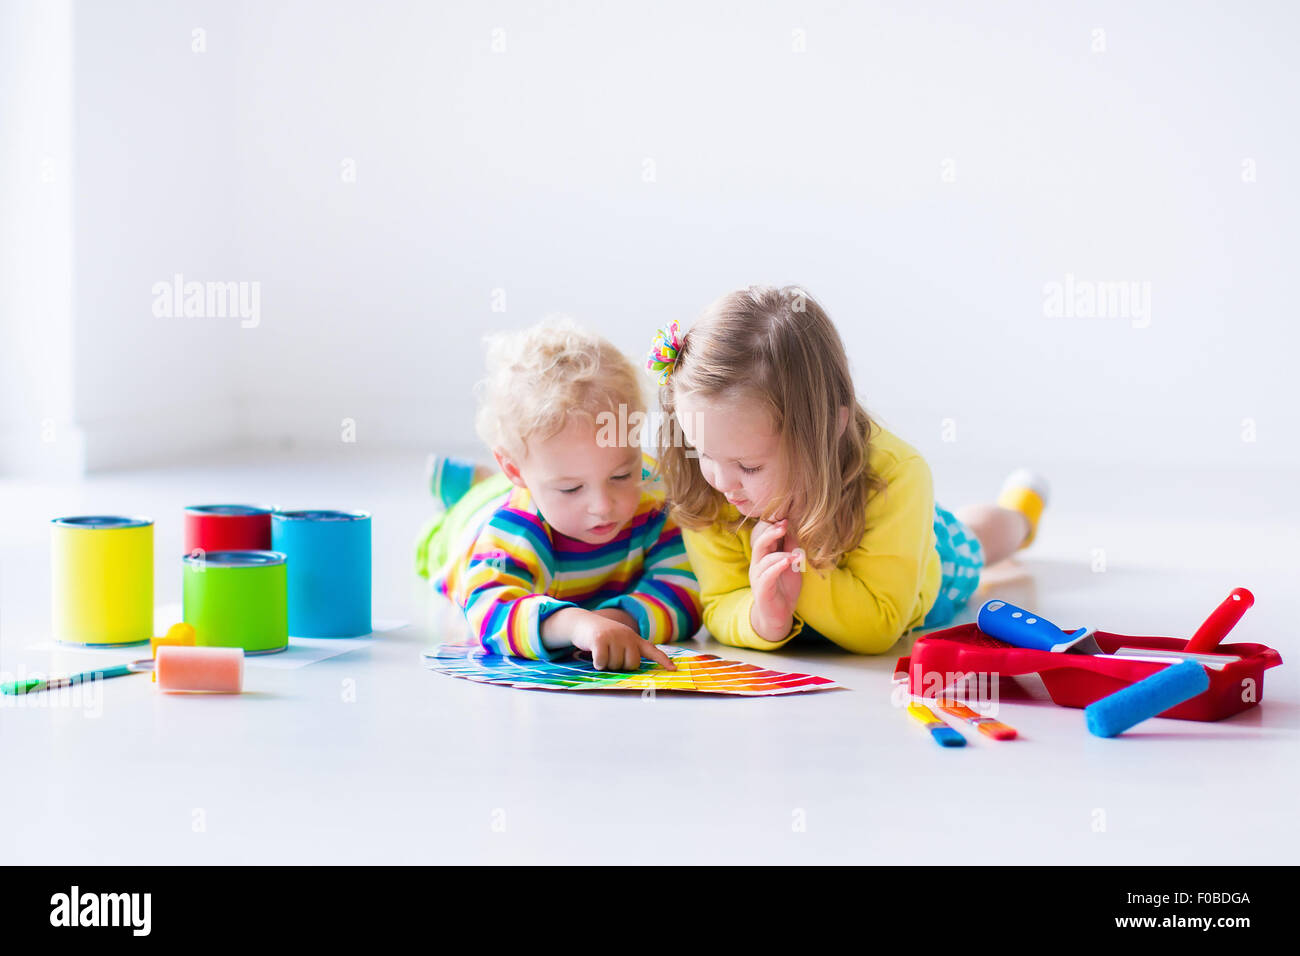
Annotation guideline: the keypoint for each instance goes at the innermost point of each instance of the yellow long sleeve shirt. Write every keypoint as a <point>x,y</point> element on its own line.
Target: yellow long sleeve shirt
<point>877,592</point>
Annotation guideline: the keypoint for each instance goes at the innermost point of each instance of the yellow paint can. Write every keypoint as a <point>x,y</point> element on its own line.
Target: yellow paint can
<point>102,579</point>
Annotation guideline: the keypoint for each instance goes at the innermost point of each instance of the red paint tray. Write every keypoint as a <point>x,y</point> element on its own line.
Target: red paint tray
<point>1076,680</point>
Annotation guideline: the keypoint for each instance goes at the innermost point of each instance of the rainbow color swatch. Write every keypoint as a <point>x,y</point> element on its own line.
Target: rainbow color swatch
<point>696,671</point>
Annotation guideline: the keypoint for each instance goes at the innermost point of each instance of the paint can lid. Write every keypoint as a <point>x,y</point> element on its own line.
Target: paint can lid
<point>102,521</point>
<point>227,510</point>
<point>316,515</point>
<point>236,559</point>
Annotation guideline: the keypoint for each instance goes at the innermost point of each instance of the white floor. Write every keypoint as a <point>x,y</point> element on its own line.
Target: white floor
<point>367,757</point>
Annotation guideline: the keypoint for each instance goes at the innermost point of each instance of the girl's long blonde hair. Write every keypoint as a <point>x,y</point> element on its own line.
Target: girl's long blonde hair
<point>779,346</point>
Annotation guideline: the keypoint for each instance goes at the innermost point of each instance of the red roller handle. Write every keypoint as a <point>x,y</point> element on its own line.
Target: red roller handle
<point>1219,623</point>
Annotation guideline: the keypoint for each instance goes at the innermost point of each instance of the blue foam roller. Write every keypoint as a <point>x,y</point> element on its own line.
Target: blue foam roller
<point>1155,694</point>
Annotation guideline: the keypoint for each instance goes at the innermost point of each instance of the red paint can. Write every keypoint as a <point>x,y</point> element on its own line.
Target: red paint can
<point>227,528</point>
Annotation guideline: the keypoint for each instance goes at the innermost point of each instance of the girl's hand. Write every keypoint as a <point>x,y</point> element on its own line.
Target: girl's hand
<point>612,644</point>
<point>775,575</point>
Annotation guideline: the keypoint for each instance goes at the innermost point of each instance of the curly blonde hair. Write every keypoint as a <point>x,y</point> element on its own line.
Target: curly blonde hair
<point>540,377</point>
<point>778,347</point>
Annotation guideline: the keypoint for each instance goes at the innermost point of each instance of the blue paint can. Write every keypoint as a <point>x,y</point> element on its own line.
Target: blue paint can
<point>328,556</point>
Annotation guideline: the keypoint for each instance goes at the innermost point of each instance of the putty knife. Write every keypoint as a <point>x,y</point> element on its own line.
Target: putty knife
<point>1015,625</point>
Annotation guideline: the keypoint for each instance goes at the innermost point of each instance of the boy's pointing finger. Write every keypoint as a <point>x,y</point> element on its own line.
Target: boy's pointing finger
<point>653,652</point>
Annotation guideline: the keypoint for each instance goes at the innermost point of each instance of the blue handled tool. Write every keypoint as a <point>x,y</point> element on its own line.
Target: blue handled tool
<point>1015,625</point>
<point>34,684</point>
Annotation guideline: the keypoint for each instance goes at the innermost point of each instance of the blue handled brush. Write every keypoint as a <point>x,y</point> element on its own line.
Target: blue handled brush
<point>943,735</point>
<point>1150,696</point>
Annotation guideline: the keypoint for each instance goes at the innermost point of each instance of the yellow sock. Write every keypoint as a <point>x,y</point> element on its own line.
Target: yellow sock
<point>1026,492</point>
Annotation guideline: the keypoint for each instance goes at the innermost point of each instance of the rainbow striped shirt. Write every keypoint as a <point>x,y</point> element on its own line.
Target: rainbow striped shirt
<point>514,570</point>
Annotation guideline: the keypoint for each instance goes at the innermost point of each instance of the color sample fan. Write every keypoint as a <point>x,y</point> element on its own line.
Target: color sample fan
<point>696,671</point>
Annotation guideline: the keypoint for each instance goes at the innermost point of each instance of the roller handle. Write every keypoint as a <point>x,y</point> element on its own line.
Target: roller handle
<point>33,684</point>
<point>1220,622</point>
<point>22,686</point>
<point>1015,625</point>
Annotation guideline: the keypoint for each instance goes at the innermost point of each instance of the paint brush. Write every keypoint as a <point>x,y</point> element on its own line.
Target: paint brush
<point>988,726</point>
<point>944,735</point>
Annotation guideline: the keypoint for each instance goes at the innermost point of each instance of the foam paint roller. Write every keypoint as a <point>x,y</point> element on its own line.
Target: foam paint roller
<point>176,668</point>
<point>218,670</point>
<point>1153,695</point>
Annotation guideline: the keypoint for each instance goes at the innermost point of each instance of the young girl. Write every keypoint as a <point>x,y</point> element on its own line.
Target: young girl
<point>565,547</point>
<point>802,515</point>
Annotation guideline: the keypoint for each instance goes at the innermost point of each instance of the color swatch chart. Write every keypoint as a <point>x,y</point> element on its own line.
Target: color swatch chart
<point>696,671</point>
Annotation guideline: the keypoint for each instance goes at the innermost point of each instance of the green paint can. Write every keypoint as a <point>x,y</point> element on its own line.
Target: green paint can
<point>237,599</point>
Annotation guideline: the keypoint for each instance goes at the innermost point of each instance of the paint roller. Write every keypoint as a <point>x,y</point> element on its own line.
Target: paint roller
<point>1185,678</point>
<point>1170,687</point>
<point>1152,695</point>
<point>177,668</point>
<point>218,670</point>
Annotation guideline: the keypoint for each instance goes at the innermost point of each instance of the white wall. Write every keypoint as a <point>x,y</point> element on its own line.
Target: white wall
<point>157,147</point>
<point>37,432</point>
<point>119,172</point>
<point>523,170</point>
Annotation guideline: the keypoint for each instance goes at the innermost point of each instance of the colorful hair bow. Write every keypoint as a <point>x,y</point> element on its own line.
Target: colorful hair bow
<point>663,352</point>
